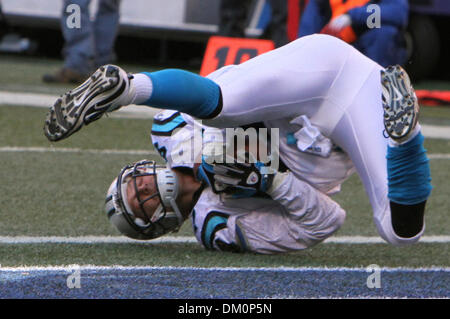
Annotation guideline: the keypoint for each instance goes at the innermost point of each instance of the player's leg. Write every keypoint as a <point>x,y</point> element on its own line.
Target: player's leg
<point>279,83</point>
<point>110,88</point>
<point>78,42</point>
<point>276,84</point>
<point>78,50</point>
<point>396,178</point>
<point>407,164</point>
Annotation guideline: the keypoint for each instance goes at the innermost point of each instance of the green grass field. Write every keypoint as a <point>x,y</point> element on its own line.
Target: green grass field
<point>61,194</point>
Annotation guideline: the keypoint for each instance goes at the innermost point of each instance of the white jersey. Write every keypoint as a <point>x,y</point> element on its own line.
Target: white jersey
<point>303,215</point>
<point>173,137</point>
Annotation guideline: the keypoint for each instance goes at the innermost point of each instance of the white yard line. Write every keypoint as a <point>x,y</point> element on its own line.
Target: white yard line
<point>143,112</point>
<point>37,149</point>
<point>435,131</point>
<point>92,240</point>
<point>183,240</point>
<point>379,240</point>
<point>439,156</point>
<point>19,149</point>
<point>46,100</point>
<point>281,268</point>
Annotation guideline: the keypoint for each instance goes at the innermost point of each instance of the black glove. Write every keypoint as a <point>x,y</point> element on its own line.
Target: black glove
<point>241,178</point>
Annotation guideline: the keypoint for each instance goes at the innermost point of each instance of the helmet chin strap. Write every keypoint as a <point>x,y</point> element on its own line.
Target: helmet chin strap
<point>175,208</point>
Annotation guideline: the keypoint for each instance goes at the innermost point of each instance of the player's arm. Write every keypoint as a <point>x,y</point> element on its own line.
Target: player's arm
<point>315,213</point>
<point>297,218</point>
<point>214,231</point>
<point>314,216</point>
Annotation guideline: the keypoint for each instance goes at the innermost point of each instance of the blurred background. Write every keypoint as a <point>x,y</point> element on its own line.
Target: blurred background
<point>175,33</point>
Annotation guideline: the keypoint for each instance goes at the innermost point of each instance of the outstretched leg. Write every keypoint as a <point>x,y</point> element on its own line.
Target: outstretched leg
<point>394,169</point>
<point>110,88</point>
<point>407,164</point>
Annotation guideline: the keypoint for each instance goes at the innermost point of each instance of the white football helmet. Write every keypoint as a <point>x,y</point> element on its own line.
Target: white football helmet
<point>167,217</point>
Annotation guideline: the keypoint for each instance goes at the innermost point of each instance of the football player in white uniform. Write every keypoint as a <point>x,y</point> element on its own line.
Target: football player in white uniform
<point>336,110</point>
<point>226,223</point>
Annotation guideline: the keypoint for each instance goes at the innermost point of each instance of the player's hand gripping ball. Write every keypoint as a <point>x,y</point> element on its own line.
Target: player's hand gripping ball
<point>243,176</point>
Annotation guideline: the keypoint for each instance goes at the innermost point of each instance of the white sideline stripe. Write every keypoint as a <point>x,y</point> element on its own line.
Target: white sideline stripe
<point>92,240</point>
<point>182,240</point>
<point>144,112</point>
<point>115,151</point>
<point>281,268</point>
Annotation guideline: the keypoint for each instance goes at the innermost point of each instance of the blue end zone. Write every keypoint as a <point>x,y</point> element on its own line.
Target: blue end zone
<point>189,283</point>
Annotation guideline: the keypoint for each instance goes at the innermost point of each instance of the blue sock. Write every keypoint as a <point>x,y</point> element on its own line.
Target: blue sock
<point>183,91</point>
<point>409,177</point>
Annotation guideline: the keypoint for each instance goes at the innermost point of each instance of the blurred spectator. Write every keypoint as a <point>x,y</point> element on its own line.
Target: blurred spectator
<point>276,30</point>
<point>295,12</point>
<point>350,21</point>
<point>233,20</point>
<point>3,24</point>
<point>91,44</point>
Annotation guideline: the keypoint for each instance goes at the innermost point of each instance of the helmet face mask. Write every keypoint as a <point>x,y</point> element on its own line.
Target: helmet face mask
<point>166,218</point>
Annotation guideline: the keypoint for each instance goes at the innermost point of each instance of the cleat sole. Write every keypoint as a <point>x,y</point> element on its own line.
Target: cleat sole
<point>400,104</point>
<point>84,104</point>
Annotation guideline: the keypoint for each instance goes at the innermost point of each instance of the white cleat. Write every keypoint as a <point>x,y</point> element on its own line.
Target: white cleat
<point>401,108</point>
<point>106,90</point>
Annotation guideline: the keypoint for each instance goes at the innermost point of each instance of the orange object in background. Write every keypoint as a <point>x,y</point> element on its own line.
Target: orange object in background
<point>339,7</point>
<point>433,97</point>
<point>222,51</point>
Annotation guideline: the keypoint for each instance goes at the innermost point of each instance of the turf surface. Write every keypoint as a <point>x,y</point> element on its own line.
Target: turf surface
<point>61,194</point>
